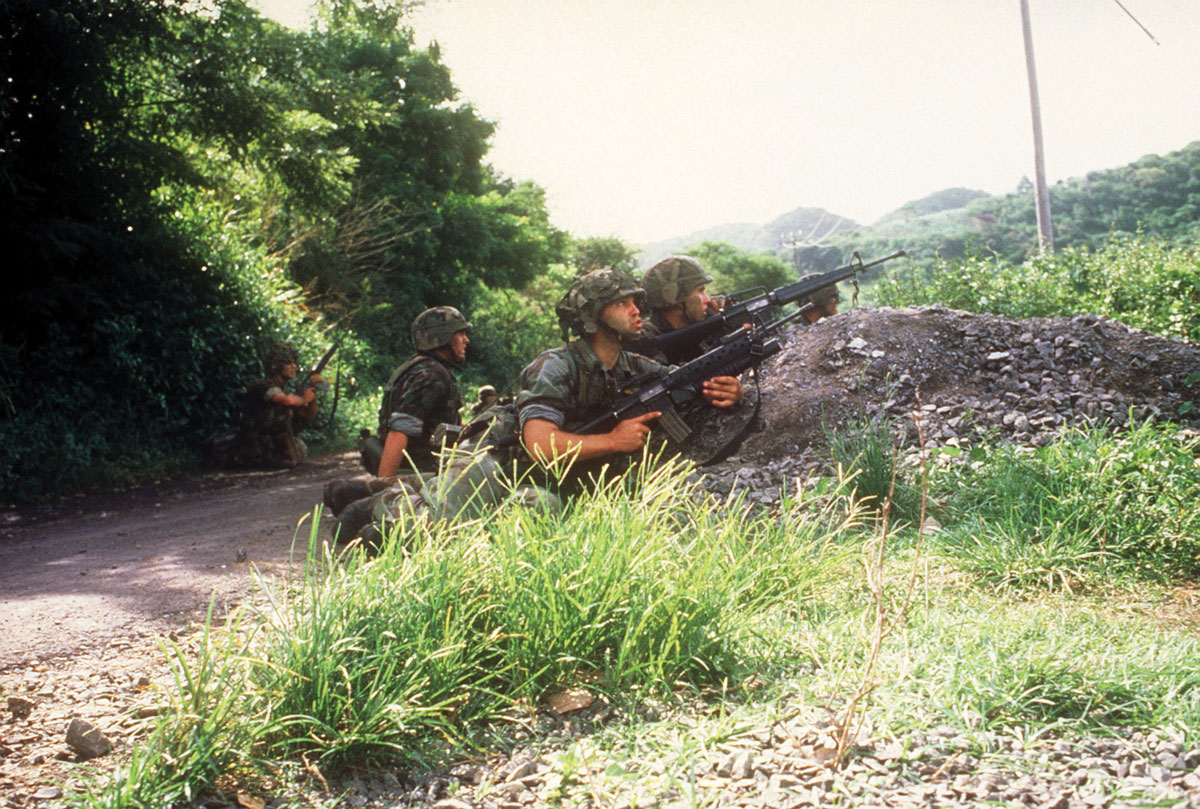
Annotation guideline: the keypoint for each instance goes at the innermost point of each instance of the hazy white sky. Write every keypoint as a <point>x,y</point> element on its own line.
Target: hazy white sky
<point>647,119</point>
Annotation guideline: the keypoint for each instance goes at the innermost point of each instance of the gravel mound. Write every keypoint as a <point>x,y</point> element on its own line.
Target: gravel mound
<point>968,377</point>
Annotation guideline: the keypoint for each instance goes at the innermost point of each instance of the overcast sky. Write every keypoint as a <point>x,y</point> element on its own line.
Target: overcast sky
<point>648,119</point>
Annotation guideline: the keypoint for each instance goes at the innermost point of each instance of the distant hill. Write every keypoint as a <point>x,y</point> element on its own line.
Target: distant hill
<point>950,199</point>
<point>1157,195</point>
<point>803,223</point>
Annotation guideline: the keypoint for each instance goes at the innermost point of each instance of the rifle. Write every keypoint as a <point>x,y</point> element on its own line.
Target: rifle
<point>677,344</point>
<point>316,369</point>
<point>744,348</point>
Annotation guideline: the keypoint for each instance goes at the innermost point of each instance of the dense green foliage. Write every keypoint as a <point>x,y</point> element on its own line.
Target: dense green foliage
<point>183,186</point>
<point>734,270</point>
<point>1142,282</point>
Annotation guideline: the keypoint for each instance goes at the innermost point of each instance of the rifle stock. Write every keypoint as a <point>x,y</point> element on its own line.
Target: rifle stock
<point>676,344</point>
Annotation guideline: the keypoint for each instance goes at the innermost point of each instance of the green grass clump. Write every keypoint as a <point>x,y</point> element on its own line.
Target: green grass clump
<point>407,654</point>
<point>1094,503</point>
<point>204,732</point>
<point>865,449</point>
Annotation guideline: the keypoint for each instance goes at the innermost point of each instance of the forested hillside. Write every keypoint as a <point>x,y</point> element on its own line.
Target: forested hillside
<point>182,186</point>
<point>1157,195</point>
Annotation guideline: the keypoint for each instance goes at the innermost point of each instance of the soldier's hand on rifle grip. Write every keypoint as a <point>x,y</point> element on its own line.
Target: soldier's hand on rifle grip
<point>630,435</point>
<point>722,391</point>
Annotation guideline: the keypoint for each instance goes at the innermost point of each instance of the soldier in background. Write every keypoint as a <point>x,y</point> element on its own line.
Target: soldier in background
<point>825,301</point>
<point>677,296</point>
<point>487,397</point>
<point>270,416</point>
<point>420,395</point>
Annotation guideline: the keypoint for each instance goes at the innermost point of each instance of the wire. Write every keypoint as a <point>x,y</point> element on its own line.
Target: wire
<point>1139,24</point>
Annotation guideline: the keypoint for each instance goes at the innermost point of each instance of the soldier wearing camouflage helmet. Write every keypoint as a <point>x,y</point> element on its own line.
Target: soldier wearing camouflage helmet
<point>824,301</point>
<point>421,394</point>
<point>566,387</point>
<point>270,415</point>
<point>677,296</point>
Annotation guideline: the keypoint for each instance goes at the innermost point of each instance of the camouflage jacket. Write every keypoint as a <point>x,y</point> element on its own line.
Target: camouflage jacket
<point>260,414</point>
<point>569,386</point>
<point>421,394</point>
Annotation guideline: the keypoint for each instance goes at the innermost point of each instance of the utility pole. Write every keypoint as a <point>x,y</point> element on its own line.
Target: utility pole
<point>1042,199</point>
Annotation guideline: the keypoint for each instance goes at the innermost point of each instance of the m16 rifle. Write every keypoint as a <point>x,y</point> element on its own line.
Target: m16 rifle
<point>744,348</point>
<point>316,370</point>
<point>678,344</point>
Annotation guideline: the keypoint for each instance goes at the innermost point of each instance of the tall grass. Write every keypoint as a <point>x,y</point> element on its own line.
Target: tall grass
<point>204,731</point>
<point>866,450</point>
<point>403,655</point>
<point>1094,503</point>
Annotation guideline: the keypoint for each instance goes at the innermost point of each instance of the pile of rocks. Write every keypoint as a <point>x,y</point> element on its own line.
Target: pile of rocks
<point>966,377</point>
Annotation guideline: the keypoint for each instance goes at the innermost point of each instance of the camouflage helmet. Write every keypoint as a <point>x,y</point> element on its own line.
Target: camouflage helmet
<point>671,280</point>
<point>579,310</point>
<point>434,327</point>
<point>278,356</point>
<point>821,296</point>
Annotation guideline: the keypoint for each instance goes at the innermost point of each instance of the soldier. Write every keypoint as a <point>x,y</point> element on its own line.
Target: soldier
<point>487,397</point>
<point>825,301</point>
<point>564,388</point>
<point>270,416</point>
<point>420,395</point>
<point>677,296</point>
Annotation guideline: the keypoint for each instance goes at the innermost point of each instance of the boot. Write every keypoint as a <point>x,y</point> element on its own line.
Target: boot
<point>341,493</point>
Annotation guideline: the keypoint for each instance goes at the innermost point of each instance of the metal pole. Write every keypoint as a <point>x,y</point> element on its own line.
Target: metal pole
<point>1042,199</point>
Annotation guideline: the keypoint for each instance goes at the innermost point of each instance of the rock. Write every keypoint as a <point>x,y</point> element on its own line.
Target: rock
<point>86,740</point>
<point>20,707</point>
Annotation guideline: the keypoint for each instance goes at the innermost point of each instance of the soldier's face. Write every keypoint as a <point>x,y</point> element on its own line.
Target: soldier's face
<point>698,305</point>
<point>288,370</point>
<point>458,345</point>
<point>623,317</point>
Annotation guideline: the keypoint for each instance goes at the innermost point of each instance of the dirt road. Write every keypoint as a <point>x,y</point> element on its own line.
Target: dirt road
<point>78,574</point>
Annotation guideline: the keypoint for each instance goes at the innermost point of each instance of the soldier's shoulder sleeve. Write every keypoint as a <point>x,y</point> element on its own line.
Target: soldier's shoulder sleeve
<point>545,387</point>
<point>422,391</point>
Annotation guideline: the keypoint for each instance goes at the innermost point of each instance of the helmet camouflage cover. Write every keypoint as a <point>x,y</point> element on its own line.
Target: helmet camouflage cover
<point>579,310</point>
<point>821,296</point>
<point>434,327</point>
<point>671,280</point>
<point>279,355</point>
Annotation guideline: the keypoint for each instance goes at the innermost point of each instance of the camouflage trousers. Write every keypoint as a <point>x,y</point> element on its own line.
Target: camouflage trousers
<point>468,485</point>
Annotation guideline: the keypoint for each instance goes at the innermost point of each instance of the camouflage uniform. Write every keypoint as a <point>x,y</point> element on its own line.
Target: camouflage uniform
<point>822,298</point>
<point>422,393</point>
<point>667,284</point>
<point>461,483</point>
<point>266,433</point>
<point>570,386</point>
